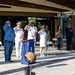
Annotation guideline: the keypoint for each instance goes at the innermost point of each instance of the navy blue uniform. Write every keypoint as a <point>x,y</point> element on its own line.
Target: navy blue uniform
<point>69,35</point>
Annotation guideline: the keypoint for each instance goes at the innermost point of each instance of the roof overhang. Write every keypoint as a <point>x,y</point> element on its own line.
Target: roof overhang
<point>32,7</point>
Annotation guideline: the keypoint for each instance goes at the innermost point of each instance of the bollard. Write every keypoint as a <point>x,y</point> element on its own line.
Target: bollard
<point>31,58</point>
<point>33,73</point>
<point>28,71</point>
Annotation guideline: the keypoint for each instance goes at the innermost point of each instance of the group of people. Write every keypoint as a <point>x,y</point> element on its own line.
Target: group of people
<point>17,35</point>
<point>68,34</point>
<point>43,32</point>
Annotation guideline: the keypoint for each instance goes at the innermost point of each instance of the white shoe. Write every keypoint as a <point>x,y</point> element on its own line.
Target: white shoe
<point>41,55</point>
<point>17,56</point>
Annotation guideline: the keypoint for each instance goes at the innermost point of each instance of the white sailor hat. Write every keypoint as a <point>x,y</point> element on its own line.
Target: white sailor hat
<point>42,26</point>
<point>31,21</point>
<point>18,23</point>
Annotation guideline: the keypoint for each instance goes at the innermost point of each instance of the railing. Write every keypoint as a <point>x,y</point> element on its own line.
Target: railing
<point>49,43</point>
<point>63,42</point>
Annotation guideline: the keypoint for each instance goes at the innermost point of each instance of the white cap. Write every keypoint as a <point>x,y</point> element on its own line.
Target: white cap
<point>18,23</point>
<point>31,21</point>
<point>42,26</point>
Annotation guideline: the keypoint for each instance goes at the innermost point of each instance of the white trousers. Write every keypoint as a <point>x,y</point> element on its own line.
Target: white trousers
<point>18,46</point>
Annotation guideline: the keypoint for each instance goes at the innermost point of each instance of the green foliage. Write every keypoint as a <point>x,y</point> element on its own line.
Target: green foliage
<point>39,25</point>
<point>32,18</point>
<point>23,23</point>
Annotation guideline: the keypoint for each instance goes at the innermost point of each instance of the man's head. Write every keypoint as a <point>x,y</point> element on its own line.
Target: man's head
<point>18,24</point>
<point>69,26</point>
<point>31,22</point>
<point>42,27</point>
<point>46,27</point>
<point>8,23</point>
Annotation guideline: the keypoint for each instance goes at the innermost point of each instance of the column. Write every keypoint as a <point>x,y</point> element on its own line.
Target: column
<point>73,26</point>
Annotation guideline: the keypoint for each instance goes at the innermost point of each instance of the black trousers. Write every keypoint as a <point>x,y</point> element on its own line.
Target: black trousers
<point>69,43</point>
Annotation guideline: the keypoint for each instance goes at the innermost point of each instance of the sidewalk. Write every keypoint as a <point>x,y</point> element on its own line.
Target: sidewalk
<point>16,68</point>
<point>60,68</point>
<point>53,64</point>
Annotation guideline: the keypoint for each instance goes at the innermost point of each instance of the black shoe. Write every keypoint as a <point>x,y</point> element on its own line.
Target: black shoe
<point>9,61</point>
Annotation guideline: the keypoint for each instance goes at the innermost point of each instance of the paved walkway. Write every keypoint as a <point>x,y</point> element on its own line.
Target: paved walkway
<point>60,68</point>
<point>62,63</point>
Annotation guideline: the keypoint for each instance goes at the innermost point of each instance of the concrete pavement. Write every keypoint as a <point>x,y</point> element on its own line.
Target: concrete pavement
<point>16,68</point>
<point>62,63</point>
<point>61,68</point>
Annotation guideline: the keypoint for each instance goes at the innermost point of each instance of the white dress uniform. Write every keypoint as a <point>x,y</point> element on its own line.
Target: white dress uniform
<point>32,32</point>
<point>18,40</point>
<point>42,38</point>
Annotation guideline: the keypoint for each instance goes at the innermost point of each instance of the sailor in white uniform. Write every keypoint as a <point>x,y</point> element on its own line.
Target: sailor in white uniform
<point>32,33</point>
<point>18,39</point>
<point>42,34</point>
<point>32,30</point>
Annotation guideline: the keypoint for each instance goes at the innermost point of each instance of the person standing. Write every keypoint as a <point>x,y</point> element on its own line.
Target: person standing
<point>47,33</point>
<point>32,30</point>
<point>59,36</point>
<point>32,34</point>
<point>69,36</point>
<point>8,41</point>
<point>42,34</point>
<point>18,38</point>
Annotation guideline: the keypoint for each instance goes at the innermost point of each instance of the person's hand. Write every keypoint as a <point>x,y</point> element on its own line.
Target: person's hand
<point>25,28</point>
<point>15,27</point>
<point>29,24</point>
<point>8,23</point>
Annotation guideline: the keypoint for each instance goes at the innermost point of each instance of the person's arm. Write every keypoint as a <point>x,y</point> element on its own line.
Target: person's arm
<point>72,32</point>
<point>57,32</point>
<point>5,27</point>
<point>66,31</point>
<point>25,28</point>
<point>36,32</point>
<point>49,36</point>
<point>39,31</point>
<point>15,27</point>
<point>22,31</point>
<point>23,34</point>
